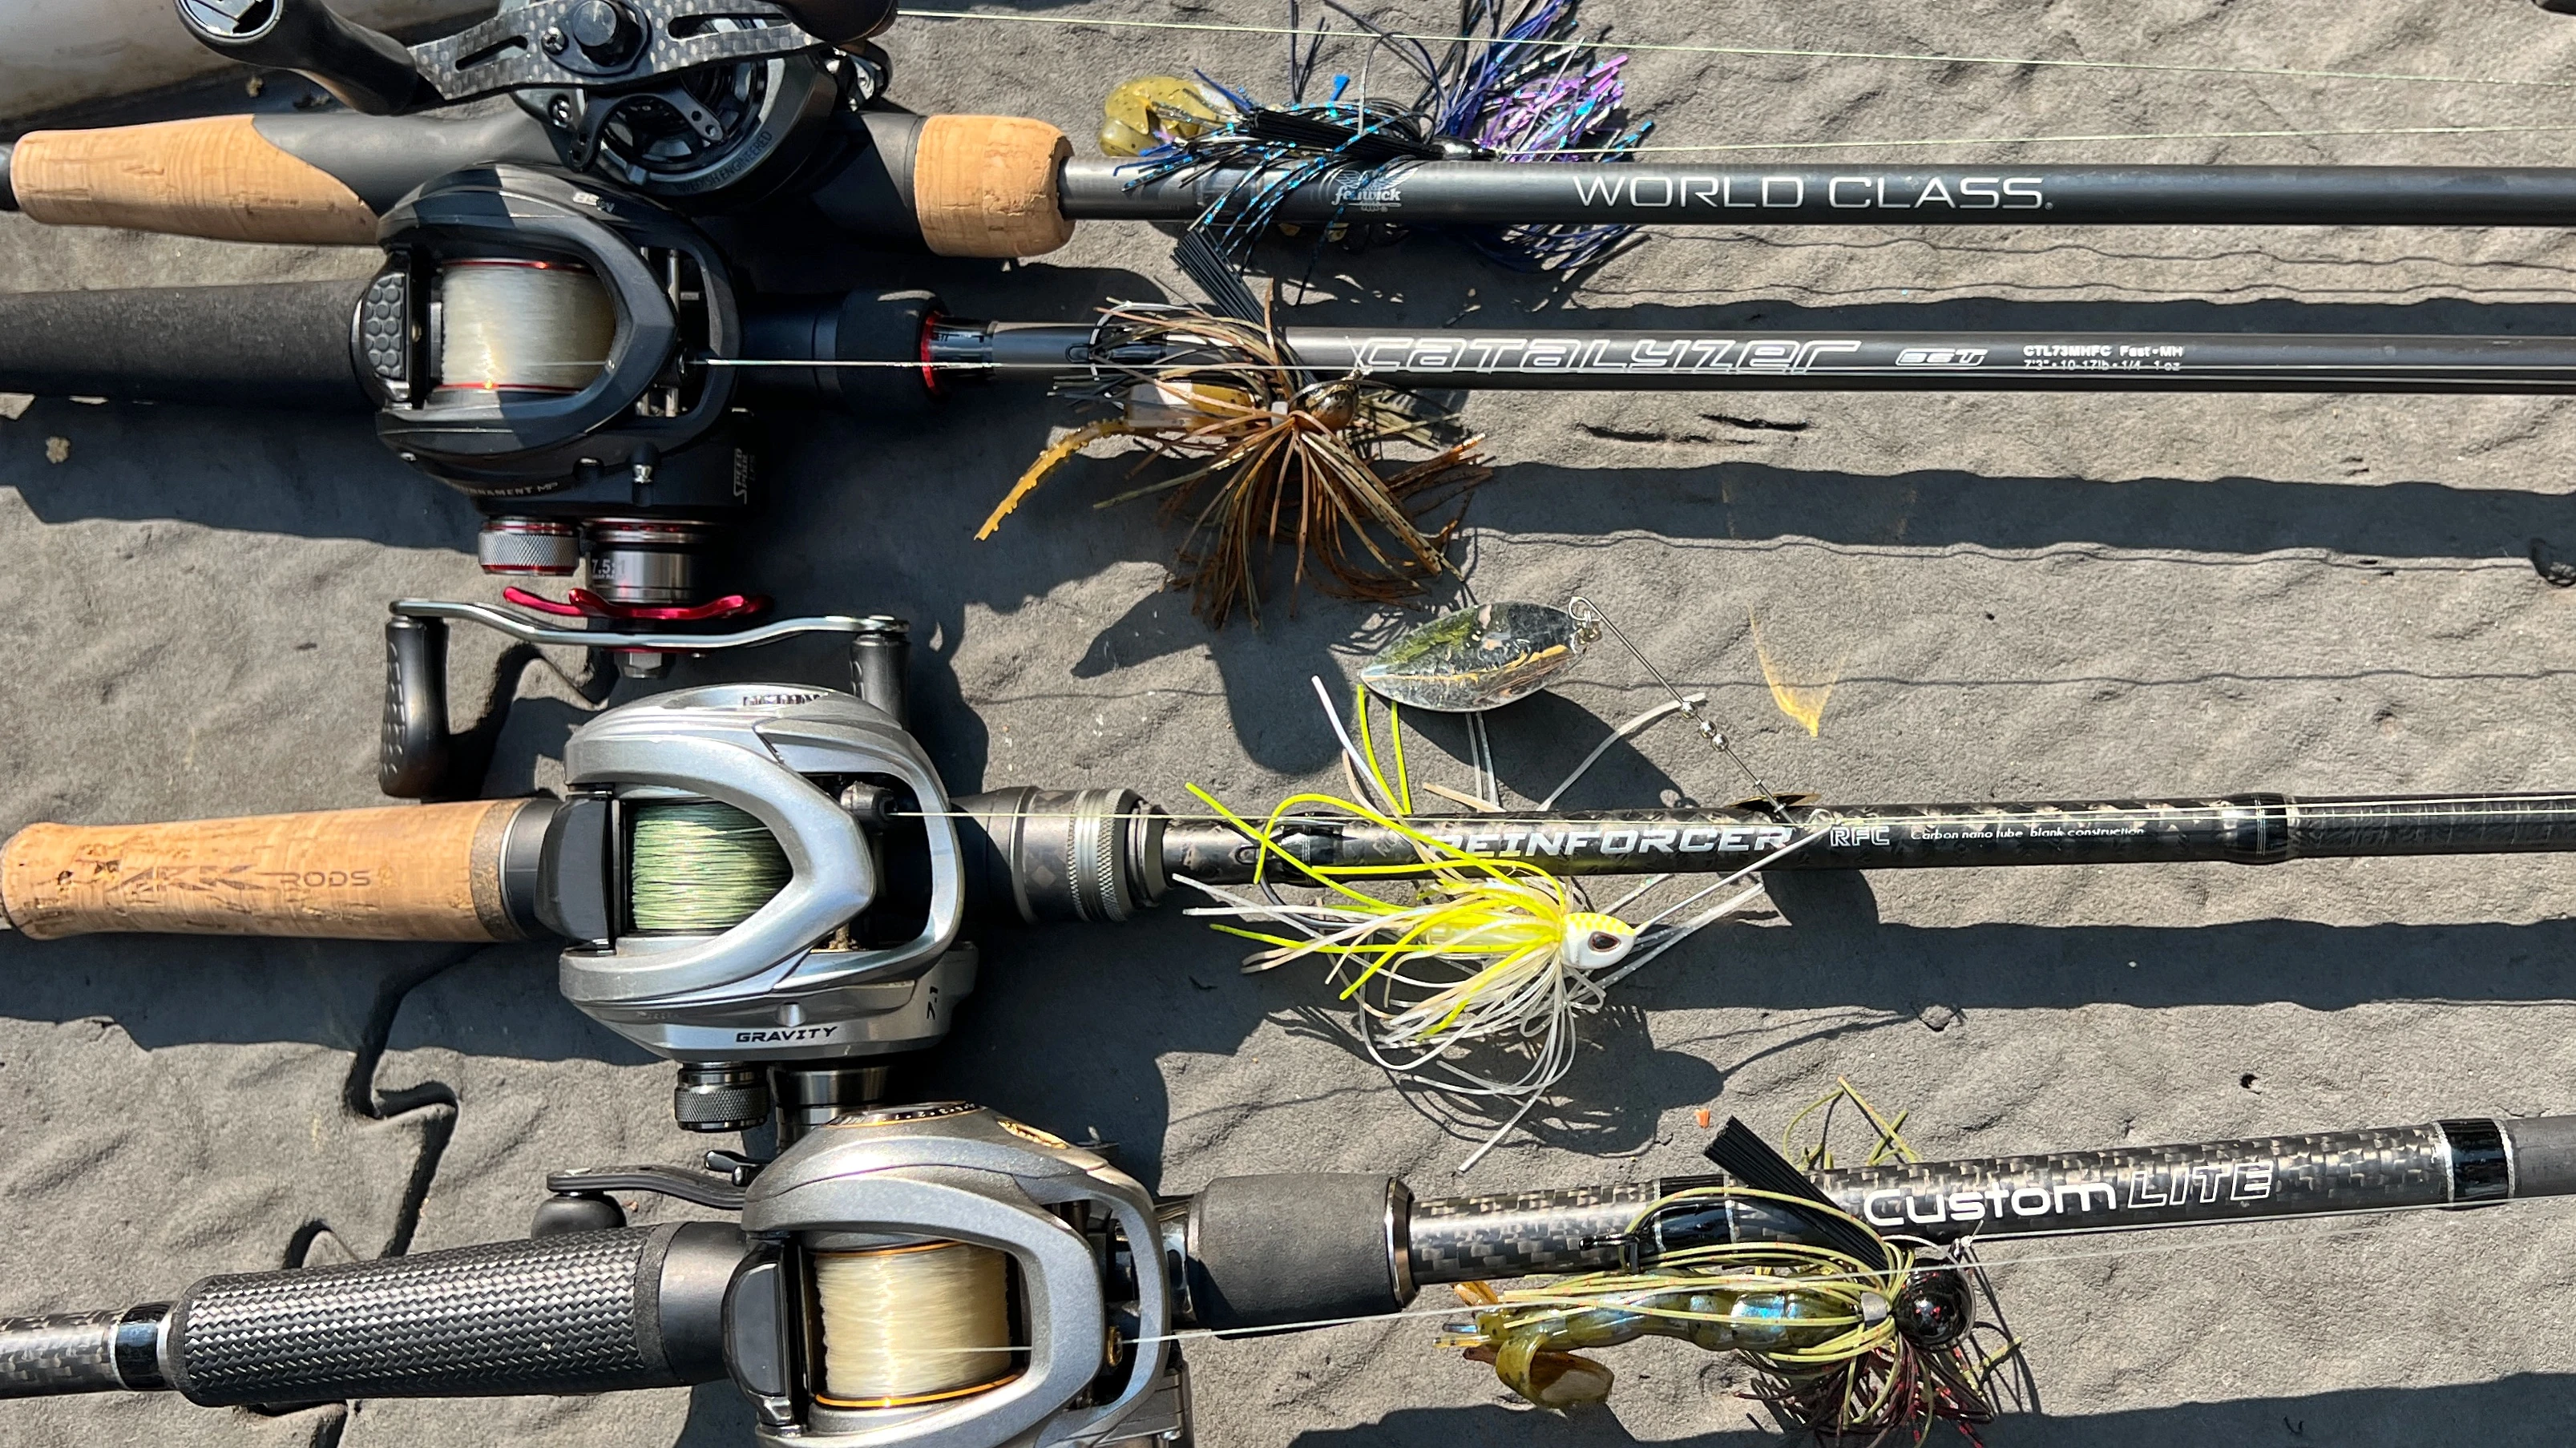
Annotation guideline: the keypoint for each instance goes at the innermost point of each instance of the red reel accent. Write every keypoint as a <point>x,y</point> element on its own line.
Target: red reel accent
<point>582,603</point>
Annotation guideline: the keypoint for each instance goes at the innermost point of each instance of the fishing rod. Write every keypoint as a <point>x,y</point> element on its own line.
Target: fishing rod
<point>722,107</point>
<point>770,885</point>
<point>730,108</point>
<point>578,356</point>
<point>941,1273</point>
<point>578,363</point>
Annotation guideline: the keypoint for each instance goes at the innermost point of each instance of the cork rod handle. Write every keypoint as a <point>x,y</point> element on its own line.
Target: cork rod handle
<point>988,186</point>
<point>426,872</point>
<point>215,177</point>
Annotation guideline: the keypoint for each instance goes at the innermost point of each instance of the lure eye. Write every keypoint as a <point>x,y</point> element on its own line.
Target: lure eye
<point>1935,1308</point>
<point>1604,941</point>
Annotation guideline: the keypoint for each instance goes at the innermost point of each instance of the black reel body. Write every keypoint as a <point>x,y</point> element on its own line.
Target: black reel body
<point>502,400</point>
<point>685,99</point>
<point>531,342</point>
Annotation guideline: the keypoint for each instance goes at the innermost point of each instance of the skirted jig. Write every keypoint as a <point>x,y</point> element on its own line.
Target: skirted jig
<point>1516,87</point>
<point>1280,460</point>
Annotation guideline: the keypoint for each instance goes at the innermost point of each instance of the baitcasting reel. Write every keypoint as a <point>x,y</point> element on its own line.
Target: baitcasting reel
<point>933,1275</point>
<point>568,356</point>
<point>942,1273</point>
<point>765,882</point>
<point>525,343</point>
<point>679,97</point>
<point>754,874</point>
<point>541,344</point>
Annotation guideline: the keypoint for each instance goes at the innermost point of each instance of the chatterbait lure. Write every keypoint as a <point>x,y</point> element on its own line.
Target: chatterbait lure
<point>1849,1332</point>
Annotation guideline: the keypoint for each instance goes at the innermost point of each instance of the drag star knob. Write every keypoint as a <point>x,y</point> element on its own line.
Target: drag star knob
<point>606,32</point>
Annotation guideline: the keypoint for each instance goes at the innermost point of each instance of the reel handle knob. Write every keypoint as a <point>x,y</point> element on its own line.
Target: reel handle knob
<point>880,657</point>
<point>368,70</point>
<point>413,752</point>
<point>841,24</point>
<point>567,1212</point>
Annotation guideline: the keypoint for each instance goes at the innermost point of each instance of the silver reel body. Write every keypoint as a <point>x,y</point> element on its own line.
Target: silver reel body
<point>785,983</point>
<point>1089,1329</point>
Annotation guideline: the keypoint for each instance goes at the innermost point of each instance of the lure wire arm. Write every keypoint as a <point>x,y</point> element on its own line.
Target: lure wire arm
<point>1589,613</point>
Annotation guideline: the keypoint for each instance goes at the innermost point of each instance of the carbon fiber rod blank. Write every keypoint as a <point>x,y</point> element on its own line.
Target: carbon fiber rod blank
<point>1484,193</point>
<point>2465,1162</point>
<point>2245,829</point>
<point>1702,361</point>
<point>1824,360</point>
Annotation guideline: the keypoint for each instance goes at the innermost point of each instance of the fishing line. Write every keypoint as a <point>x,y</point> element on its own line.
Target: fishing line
<point>1682,705</point>
<point>1780,52</point>
<point>1983,1261</point>
<point>2080,139</point>
<point>2199,1243</point>
<point>2336,811</point>
<point>2351,372</point>
<point>509,325</point>
<point>700,867</point>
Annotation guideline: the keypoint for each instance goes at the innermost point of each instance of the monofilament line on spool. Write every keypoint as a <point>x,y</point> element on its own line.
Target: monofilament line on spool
<point>915,1324</point>
<point>516,325</point>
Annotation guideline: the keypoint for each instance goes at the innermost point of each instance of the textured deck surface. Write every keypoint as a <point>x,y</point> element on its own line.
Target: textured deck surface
<point>2014,597</point>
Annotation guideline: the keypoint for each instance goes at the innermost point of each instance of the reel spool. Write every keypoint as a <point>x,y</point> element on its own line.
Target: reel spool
<point>698,866</point>
<point>936,1273</point>
<point>911,1324</point>
<point>517,326</point>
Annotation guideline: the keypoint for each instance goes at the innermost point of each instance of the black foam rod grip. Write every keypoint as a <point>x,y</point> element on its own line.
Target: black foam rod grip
<point>578,1313</point>
<point>284,344</point>
<point>1297,1249</point>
